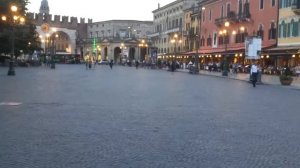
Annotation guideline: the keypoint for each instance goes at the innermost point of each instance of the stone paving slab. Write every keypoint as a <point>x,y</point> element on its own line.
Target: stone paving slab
<point>266,79</point>
<point>127,118</point>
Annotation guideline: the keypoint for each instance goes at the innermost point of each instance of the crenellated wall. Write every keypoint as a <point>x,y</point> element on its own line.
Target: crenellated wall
<point>75,28</point>
<point>57,20</point>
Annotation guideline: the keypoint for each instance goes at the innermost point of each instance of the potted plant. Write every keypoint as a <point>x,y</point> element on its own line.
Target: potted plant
<point>286,77</point>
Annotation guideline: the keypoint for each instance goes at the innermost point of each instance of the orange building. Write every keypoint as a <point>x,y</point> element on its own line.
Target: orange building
<point>226,23</point>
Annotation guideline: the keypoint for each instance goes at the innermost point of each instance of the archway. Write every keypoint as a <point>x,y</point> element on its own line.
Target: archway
<point>131,54</point>
<point>117,55</point>
<point>62,42</point>
<point>105,53</point>
<point>63,47</point>
<point>143,53</point>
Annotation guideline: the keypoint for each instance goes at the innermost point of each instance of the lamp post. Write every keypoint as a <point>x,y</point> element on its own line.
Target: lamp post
<point>225,34</point>
<point>53,48</point>
<point>46,44</point>
<point>175,41</point>
<point>122,46</point>
<point>14,19</point>
<point>198,40</point>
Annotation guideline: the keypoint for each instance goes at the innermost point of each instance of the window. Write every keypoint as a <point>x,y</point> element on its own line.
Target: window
<point>202,41</point>
<point>247,9</point>
<point>210,15</point>
<point>287,3</point>
<point>283,29</point>
<point>272,31</point>
<point>203,16</point>
<point>239,37</point>
<point>222,11</point>
<point>220,40</point>
<point>261,4</point>
<point>288,30</point>
<point>215,39</point>
<point>279,31</point>
<point>228,9</point>
<point>294,27</point>
<point>273,3</point>
<point>240,7</point>
<point>209,40</point>
<point>260,32</point>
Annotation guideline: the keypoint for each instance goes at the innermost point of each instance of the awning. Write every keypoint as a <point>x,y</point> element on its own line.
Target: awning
<point>279,48</point>
<point>282,50</point>
<point>214,51</point>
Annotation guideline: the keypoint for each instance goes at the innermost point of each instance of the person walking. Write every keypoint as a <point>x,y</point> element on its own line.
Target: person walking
<point>137,64</point>
<point>111,63</point>
<point>253,72</point>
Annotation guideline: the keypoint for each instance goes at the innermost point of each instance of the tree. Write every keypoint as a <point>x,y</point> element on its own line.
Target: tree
<point>26,37</point>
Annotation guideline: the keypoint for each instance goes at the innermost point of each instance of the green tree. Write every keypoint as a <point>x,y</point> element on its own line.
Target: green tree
<point>26,37</point>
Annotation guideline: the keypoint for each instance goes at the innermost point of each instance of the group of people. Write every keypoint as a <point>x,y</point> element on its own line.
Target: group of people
<point>89,63</point>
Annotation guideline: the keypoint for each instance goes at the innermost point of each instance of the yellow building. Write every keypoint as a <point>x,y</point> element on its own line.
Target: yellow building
<point>288,33</point>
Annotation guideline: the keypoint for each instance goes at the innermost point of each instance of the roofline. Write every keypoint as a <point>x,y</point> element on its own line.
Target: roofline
<point>168,5</point>
<point>123,21</point>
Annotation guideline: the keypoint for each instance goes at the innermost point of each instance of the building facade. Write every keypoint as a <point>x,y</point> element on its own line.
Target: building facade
<point>288,50</point>
<point>226,23</point>
<point>120,40</point>
<point>168,21</point>
<point>107,40</point>
<point>68,29</point>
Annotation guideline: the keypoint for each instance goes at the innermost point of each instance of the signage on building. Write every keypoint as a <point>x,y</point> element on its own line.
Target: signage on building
<point>253,47</point>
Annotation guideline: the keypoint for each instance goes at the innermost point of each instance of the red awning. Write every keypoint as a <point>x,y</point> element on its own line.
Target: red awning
<point>220,50</point>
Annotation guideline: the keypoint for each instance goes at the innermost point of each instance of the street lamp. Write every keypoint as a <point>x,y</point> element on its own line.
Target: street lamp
<point>46,44</point>
<point>49,44</point>
<point>224,34</point>
<point>122,52</point>
<point>14,20</point>
<point>198,39</point>
<point>53,48</point>
<point>175,41</point>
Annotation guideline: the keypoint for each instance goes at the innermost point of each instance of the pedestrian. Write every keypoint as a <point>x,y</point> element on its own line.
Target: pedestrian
<point>111,63</point>
<point>95,63</point>
<point>137,64</point>
<point>90,63</point>
<point>173,66</point>
<point>253,72</point>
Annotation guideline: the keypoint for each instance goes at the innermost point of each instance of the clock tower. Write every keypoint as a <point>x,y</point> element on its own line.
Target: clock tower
<point>44,7</point>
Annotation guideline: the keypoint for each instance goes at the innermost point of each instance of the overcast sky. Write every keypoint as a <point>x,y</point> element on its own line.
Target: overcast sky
<point>101,10</point>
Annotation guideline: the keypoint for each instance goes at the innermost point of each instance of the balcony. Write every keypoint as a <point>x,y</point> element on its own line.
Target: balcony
<point>154,35</point>
<point>185,33</point>
<point>244,17</point>
<point>296,8</point>
<point>231,17</point>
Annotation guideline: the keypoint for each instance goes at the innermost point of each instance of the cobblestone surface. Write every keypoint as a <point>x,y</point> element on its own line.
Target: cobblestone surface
<point>127,118</point>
